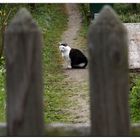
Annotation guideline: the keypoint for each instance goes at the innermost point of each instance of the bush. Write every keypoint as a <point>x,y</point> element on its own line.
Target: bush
<point>52,21</point>
<point>134,100</point>
<point>127,13</point>
<point>2,89</point>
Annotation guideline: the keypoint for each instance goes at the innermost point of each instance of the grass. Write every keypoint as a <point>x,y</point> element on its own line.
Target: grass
<point>55,94</point>
<point>52,21</point>
<point>2,91</point>
<point>134,97</point>
<point>127,13</point>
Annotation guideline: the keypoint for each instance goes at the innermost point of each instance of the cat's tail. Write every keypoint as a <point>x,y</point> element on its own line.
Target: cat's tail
<point>81,65</point>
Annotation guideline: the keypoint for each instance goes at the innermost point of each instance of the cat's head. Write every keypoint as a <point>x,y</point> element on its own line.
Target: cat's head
<point>63,47</point>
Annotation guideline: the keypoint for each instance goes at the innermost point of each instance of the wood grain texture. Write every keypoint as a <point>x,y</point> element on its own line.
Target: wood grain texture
<point>107,43</point>
<point>24,77</point>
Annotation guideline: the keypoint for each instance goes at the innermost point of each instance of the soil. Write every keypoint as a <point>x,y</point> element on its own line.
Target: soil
<point>77,79</point>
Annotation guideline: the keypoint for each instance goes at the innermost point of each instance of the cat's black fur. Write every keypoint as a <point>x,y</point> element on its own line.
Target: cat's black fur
<point>77,57</point>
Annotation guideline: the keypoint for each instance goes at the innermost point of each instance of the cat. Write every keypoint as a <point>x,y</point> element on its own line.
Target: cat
<point>74,58</point>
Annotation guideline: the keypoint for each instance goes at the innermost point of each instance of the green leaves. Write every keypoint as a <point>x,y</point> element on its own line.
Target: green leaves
<point>2,89</point>
<point>52,20</point>
<point>127,13</point>
<point>134,101</point>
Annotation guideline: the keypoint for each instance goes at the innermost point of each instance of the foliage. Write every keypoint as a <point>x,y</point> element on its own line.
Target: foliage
<point>84,9</point>
<point>7,11</point>
<point>52,21</point>
<point>127,13</point>
<point>134,99</point>
<point>2,90</point>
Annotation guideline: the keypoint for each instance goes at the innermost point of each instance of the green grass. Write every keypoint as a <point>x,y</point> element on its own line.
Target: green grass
<point>55,95</point>
<point>2,91</point>
<point>134,97</point>
<point>52,21</point>
<point>127,13</point>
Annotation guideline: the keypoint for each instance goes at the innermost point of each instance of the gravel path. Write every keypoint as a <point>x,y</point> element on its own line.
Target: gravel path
<point>77,79</point>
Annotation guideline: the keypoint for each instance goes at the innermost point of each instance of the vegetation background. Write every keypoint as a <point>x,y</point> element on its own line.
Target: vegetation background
<point>52,20</point>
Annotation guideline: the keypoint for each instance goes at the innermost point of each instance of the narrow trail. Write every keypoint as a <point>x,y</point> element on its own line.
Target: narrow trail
<point>77,79</point>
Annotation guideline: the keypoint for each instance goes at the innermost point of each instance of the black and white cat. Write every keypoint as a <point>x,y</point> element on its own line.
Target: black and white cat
<point>74,58</point>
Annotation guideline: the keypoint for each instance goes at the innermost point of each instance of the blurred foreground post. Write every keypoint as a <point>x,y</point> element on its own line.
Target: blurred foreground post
<point>24,80</point>
<point>107,42</point>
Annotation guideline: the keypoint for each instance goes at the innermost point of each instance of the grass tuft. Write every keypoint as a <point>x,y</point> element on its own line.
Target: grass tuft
<point>52,21</point>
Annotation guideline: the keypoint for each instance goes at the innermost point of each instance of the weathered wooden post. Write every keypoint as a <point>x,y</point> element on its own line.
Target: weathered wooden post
<point>24,80</point>
<point>107,43</point>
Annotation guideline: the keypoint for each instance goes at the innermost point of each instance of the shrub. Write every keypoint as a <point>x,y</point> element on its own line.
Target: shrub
<point>134,100</point>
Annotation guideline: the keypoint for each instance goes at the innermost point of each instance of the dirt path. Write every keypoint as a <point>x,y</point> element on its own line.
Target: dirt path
<point>77,79</point>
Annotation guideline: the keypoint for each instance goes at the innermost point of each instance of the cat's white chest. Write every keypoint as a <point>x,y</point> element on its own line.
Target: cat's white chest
<point>65,50</point>
<point>66,56</point>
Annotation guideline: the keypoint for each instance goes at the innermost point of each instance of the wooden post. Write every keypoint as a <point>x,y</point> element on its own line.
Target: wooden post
<point>24,80</point>
<point>107,43</point>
